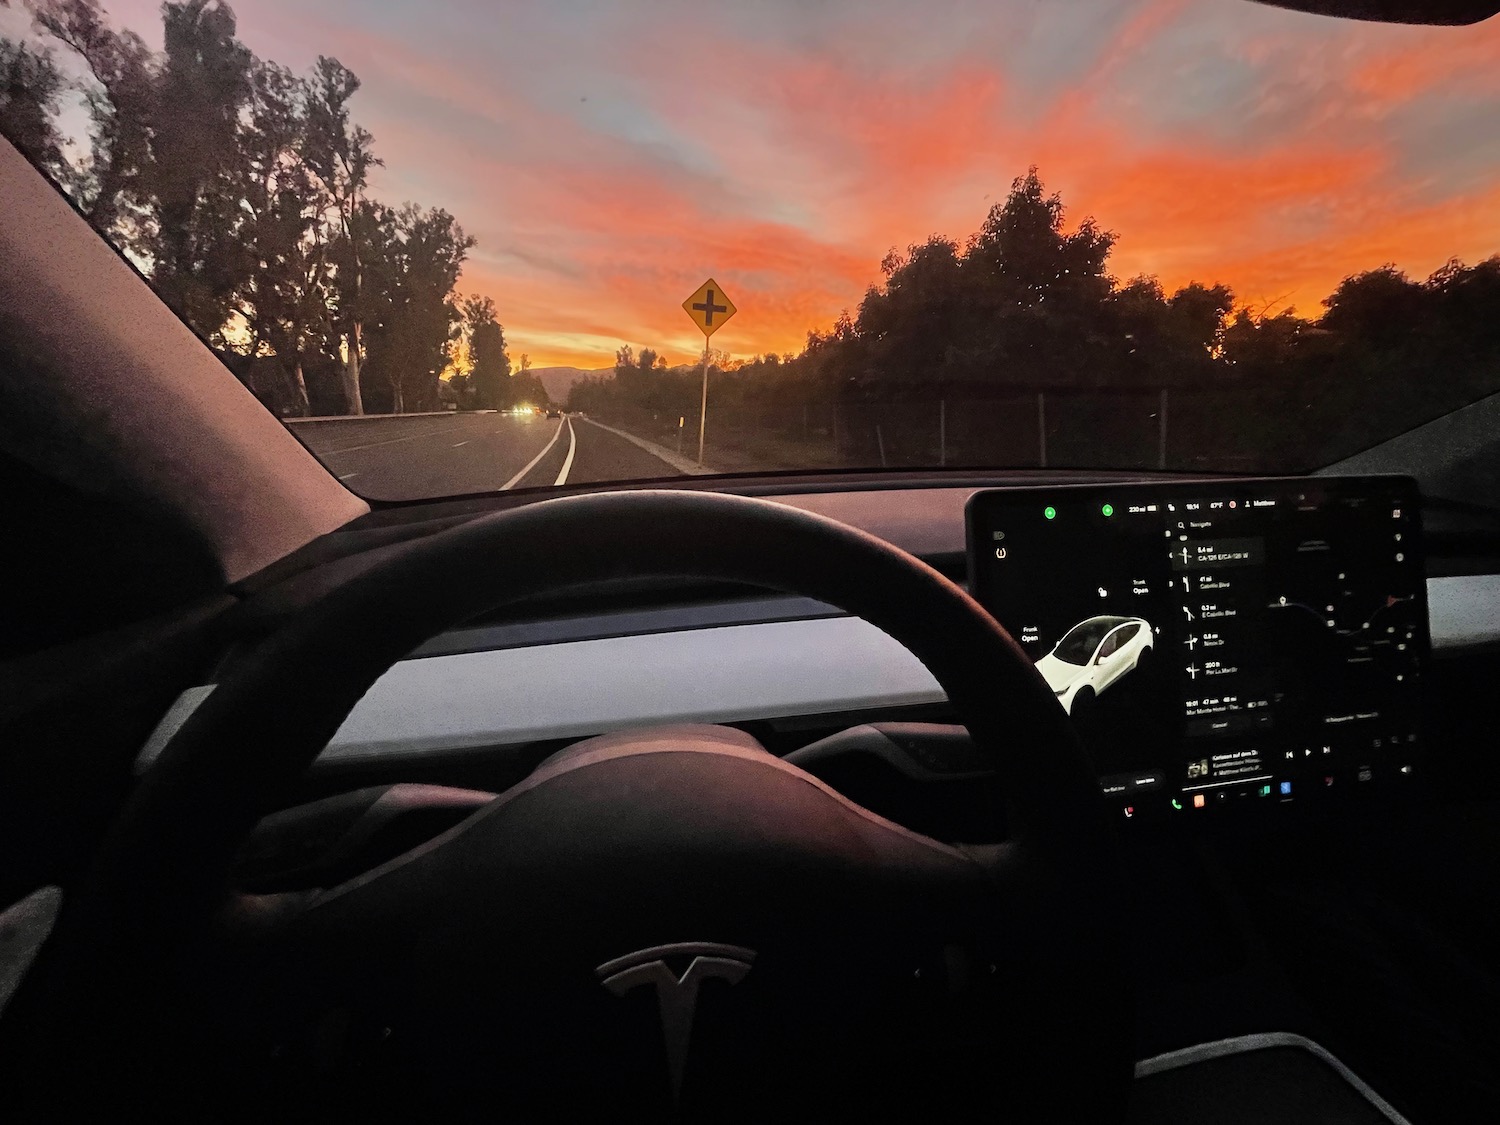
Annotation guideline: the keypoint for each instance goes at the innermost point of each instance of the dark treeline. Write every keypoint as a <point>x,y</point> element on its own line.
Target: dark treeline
<point>1025,307</point>
<point>241,190</point>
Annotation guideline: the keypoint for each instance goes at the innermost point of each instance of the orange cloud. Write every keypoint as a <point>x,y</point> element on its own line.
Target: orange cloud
<point>620,247</point>
<point>1435,58</point>
<point>797,167</point>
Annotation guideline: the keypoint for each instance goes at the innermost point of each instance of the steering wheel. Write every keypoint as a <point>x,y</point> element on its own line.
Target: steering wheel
<point>670,923</point>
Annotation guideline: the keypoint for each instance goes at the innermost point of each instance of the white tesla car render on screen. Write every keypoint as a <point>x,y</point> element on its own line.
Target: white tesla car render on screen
<point>1092,655</point>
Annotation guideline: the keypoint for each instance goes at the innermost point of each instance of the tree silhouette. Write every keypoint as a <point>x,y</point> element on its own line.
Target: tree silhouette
<point>30,88</point>
<point>110,187</point>
<point>194,175</point>
<point>340,154</point>
<point>1027,306</point>
<point>242,190</point>
<point>489,365</point>
<point>1375,308</point>
<point>284,298</point>
<point>410,259</point>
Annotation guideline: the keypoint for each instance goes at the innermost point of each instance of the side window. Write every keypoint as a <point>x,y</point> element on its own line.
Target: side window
<point>1127,632</point>
<point>1111,643</point>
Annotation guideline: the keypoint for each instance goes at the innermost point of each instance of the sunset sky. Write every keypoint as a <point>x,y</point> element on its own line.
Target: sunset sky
<point>611,154</point>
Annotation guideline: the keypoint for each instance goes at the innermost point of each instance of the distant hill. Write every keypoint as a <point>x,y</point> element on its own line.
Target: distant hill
<point>557,380</point>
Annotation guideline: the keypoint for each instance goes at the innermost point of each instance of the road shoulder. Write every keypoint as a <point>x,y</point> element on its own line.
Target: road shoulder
<point>685,465</point>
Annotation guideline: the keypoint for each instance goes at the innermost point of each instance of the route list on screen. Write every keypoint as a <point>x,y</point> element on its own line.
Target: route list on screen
<point>1219,645</point>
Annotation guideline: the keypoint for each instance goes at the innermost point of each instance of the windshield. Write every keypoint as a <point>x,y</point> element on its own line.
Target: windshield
<point>1080,642</point>
<point>462,248</point>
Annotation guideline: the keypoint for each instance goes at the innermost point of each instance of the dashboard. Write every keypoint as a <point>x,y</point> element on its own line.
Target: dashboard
<point>1219,644</point>
<point>795,671</point>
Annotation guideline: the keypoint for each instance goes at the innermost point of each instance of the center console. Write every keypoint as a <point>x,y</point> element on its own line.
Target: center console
<point>1219,646</point>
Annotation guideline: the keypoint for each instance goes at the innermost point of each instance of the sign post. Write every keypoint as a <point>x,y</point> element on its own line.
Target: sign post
<point>709,308</point>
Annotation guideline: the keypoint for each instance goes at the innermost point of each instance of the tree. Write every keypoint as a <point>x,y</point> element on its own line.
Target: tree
<point>241,190</point>
<point>910,322</point>
<point>340,154</point>
<point>110,187</point>
<point>284,208</point>
<point>1139,315</point>
<point>1020,249</point>
<point>1023,301</point>
<point>411,258</point>
<point>196,165</point>
<point>1033,293</point>
<point>1465,303</point>
<point>1198,316</point>
<point>1257,347</point>
<point>30,87</point>
<point>489,365</point>
<point>524,387</point>
<point>1376,308</point>
<point>163,166</point>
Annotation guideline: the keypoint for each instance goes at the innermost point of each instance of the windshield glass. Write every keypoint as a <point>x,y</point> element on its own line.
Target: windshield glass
<point>1080,642</point>
<point>463,247</point>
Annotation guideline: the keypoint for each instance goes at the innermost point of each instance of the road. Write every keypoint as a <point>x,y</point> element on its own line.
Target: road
<point>410,458</point>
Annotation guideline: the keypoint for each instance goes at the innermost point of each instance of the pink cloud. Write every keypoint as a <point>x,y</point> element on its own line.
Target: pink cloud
<point>785,167</point>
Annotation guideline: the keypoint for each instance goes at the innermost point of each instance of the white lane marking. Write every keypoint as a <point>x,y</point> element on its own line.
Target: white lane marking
<point>456,444</point>
<point>562,477</point>
<point>347,476</point>
<point>388,441</point>
<point>532,463</point>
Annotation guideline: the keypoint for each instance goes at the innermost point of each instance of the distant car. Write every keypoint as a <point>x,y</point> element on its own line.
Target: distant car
<point>554,412</point>
<point>1092,655</point>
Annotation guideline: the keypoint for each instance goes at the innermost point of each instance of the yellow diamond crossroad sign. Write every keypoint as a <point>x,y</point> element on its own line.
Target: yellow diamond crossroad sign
<point>709,308</point>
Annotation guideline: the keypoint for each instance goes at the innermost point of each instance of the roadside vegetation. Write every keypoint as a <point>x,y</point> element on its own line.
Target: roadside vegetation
<point>1018,347</point>
<point>242,191</point>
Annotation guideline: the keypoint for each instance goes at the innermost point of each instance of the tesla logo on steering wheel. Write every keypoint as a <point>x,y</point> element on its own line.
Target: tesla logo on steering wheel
<point>676,996</point>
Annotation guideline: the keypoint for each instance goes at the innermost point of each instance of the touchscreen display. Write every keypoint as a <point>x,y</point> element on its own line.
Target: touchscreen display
<point>1219,644</point>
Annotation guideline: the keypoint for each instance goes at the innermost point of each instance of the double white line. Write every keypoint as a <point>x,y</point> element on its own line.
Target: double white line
<point>567,465</point>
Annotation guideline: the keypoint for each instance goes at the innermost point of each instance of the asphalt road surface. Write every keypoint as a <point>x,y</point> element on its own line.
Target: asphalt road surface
<point>410,458</point>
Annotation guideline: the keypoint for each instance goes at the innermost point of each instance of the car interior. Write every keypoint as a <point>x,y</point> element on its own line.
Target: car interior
<point>313,805</point>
